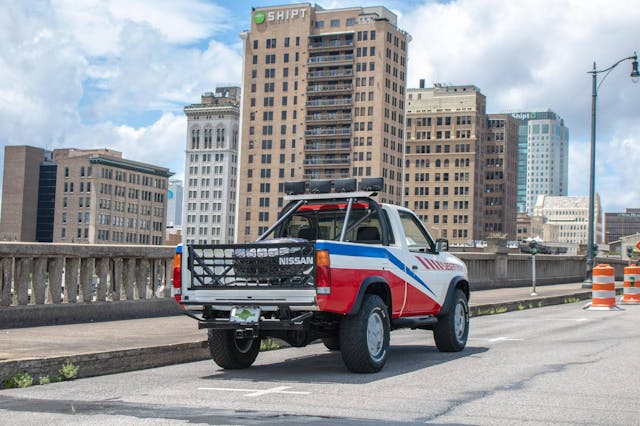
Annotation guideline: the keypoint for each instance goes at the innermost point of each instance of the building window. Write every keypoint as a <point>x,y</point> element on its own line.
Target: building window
<point>335,22</point>
<point>319,24</point>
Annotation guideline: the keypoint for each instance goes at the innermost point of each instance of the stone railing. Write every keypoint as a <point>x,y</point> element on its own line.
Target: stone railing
<point>496,270</point>
<point>49,274</point>
<point>39,274</point>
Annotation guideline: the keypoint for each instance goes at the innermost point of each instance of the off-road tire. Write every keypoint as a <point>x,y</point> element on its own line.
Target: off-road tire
<point>231,353</point>
<point>364,337</point>
<point>332,343</point>
<point>452,330</point>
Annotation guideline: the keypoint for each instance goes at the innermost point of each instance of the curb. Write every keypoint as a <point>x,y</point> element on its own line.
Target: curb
<point>110,362</point>
<point>121,361</point>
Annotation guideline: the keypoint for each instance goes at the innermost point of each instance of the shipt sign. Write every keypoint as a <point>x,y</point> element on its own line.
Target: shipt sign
<point>259,17</point>
<point>284,15</point>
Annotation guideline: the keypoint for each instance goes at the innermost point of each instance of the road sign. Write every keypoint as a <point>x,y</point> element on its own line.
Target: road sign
<point>638,245</point>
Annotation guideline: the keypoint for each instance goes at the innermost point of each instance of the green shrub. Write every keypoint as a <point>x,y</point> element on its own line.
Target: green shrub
<point>44,380</point>
<point>20,380</point>
<point>268,345</point>
<point>68,371</point>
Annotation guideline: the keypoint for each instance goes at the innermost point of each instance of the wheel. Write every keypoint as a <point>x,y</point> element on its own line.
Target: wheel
<point>231,353</point>
<point>365,336</point>
<point>332,343</point>
<point>452,329</point>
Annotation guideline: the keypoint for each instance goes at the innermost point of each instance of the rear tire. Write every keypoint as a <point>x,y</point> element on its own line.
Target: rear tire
<point>452,330</point>
<point>332,343</point>
<point>365,336</point>
<point>231,353</point>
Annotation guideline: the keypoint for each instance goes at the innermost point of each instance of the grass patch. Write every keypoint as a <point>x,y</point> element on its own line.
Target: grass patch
<point>269,345</point>
<point>20,380</point>
<point>68,371</point>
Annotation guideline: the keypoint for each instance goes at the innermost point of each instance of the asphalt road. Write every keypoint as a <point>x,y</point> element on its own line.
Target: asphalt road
<point>554,365</point>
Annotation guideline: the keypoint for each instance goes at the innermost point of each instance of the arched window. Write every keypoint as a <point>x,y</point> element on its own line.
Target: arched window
<point>438,163</point>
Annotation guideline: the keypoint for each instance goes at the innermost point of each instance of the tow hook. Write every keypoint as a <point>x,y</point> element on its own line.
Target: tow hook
<point>247,333</point>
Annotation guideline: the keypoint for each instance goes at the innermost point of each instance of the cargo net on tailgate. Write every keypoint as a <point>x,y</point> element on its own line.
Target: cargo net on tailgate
<point>282,265</point>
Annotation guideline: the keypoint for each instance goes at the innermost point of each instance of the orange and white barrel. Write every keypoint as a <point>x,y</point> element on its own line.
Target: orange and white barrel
<point>603,288</point>
<point>631,291</point>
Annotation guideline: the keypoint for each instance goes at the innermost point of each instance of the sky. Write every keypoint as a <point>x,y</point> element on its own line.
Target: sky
<point>118,73</point>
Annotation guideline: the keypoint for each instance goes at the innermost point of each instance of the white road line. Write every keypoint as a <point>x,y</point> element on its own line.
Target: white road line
<point>257,392</point>
<point>504,339</point>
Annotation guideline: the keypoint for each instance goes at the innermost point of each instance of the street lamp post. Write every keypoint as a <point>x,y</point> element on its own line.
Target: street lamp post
<point>594,94</point>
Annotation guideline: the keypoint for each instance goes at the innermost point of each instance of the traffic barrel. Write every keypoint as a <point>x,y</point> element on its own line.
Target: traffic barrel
<point>603,288</point>
<point>631,291</point>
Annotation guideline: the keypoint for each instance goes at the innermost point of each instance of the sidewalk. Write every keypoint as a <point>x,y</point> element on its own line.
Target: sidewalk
<point>119,346</point>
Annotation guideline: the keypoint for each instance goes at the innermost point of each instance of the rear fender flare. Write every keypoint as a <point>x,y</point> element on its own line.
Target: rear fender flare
<point>374,285</point>
<point>456,283</point>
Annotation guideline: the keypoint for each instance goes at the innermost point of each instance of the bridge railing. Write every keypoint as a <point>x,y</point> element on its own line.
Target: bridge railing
<point>35,273</point>
<point>44,274</point>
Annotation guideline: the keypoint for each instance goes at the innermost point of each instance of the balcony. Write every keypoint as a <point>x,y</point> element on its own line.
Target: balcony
<point>320,61</point>
<point>328,131</point>
<point>330,44</point>
<point>323,74</point>
<point>319,161</point>
<point>331,145</point>
<point>326,88</point>
<point>333,116</point>
<point>326,174</point>
<point>322,103</point>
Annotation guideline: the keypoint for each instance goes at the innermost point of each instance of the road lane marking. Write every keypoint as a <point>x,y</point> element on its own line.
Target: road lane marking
<point>258,392</point>
<point>504,339</point>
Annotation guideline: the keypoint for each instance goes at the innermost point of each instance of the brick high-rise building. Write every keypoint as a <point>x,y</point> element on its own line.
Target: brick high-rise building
<point>460,164</point>
<point>618,225</point>
<point>500,176</point>
<point>21,178</point>
<point>323,98</point>
<point>102,198</point>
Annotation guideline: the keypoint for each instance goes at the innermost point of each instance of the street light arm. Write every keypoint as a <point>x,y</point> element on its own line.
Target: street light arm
<point>608,70</point>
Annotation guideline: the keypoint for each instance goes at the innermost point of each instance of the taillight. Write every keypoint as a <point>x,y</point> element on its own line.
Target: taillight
<point>323,272</point>
<point>176,291</point>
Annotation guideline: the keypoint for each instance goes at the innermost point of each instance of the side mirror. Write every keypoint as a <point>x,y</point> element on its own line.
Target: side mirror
<point>442,244</point>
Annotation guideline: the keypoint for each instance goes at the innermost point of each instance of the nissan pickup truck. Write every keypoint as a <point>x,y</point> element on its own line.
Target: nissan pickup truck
<point>338,267</point>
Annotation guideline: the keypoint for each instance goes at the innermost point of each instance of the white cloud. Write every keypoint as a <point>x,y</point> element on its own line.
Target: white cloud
<point>528,55</point>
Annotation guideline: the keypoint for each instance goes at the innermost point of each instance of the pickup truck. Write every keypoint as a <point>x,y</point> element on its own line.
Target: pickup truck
<point>336,266</point>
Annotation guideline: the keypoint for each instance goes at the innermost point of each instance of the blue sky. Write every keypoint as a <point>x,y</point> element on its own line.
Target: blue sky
<point>117,73</point>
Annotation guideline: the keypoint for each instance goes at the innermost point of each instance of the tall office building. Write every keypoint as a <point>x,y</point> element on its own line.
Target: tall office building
<point>618,225</point>
<point>21,178</point>
<point>324,99</point>
<point>174,203</point>
<point>102,198</point>
<point>91,196</point>
<point>209,205</point>
<point>544,159</point>
<point>460,164</point>
<point>500,176</point>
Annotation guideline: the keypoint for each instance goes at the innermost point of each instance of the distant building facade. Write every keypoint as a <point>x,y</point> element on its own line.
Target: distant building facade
<point>210,186</point>
<point>20,189</point>
<point>82,196</point>
<point>566,219</point>
<point>174,203</point>
<point>543,159</point>
<point>102,198</point>
<point>618,225</point>
<point>460,164</point>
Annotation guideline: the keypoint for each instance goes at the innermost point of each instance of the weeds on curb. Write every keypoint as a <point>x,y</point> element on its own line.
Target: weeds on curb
<point>68,371</point>
<point>269,345</point>
<point>20,380</point>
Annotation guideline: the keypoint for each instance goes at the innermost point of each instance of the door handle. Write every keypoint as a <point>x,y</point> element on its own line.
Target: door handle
<point>414,267</point>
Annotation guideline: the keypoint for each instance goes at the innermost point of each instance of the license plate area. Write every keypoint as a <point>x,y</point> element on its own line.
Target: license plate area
<point>245,314</point>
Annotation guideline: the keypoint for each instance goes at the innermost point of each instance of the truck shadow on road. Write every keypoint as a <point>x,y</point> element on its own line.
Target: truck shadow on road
<point>325,366</point>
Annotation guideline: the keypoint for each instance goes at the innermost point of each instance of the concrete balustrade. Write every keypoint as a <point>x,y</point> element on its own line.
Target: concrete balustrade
<point>44,274</point>
<point>59,274</point>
